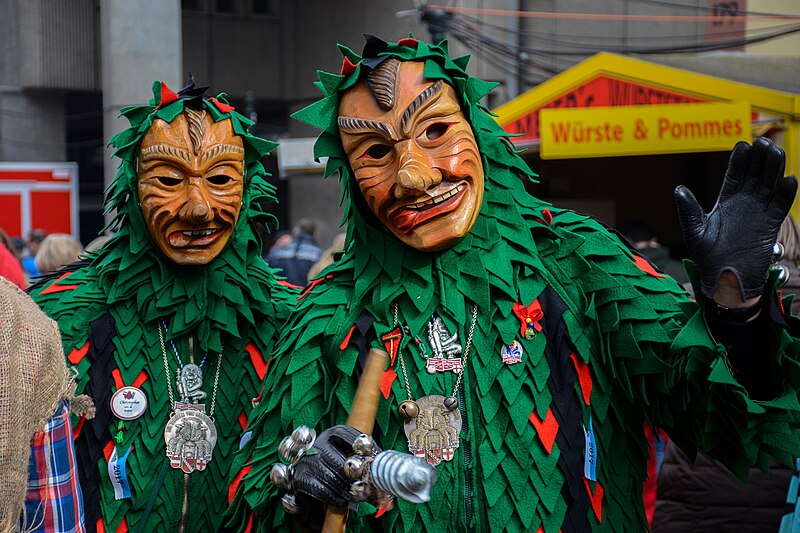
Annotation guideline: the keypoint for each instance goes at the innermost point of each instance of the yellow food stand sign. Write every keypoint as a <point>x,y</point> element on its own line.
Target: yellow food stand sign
<point>569,133</point>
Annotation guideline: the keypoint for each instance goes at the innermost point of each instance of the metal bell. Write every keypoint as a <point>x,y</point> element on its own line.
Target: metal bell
<point>288,448</point>
<point>281,475</point>
<point>783,274</point>
<point>409,410</point>
<point>359,491</point>
<point>290,504</point>
<point>304,436</point>
<point>364,445</point>
<point>777,252</point>
<point>354,467</point>
<point>451,403</point>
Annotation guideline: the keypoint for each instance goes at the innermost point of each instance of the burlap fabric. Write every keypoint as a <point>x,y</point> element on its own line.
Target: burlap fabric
<point>33,379</point>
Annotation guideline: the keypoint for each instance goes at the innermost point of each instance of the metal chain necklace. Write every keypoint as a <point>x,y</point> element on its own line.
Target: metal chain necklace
<point>433,423</point>
<point>190,434</point>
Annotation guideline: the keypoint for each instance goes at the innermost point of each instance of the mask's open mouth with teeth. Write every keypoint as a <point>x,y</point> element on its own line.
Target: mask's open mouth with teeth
<point>410,216</point>
<point>194,237</point>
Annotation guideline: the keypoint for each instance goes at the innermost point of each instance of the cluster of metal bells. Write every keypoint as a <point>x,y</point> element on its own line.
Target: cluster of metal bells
<point>782,272</point>
<point>357,465</point>
<point>409,409</point>
<point>291,449</point>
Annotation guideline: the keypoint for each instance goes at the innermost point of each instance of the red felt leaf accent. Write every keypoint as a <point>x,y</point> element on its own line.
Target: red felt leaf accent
<point>290,285</point>
<point>346,340</point>
<point>76,431</point>
<point>234,486</point>
<point>780,302</point>
<point>255,401</point>
<point>311,285</point>
<point>225,108</point>
<point>597,499</point>
<point>548,216</point>
<point>646,267</point>
<point>55,287</point>
<point>242,419</point>
<point>101,526</point>
<point>123,526</point>
<point>383,506</point>
<point>108,449</point>
<point>167,96</point>
<point>584,377</point>
<point>249,527</point>
<point>117,375</point>
<point>348,67</point>
<point>386,382</point>
<point>257,359</point>
<point>408,41</point>
<point>141,378</point>
<point>545,429</point>
<point>77,354</point>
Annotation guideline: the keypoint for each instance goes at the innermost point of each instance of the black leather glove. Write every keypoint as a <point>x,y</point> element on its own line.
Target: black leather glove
<point>740,231</point>
<point>319,476</point>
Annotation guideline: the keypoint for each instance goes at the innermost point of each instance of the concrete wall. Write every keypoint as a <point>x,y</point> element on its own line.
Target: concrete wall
<point>141,43</point>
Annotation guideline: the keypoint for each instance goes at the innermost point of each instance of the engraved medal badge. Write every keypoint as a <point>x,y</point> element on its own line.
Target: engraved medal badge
<point>433,434</point>
<point>190,436</point>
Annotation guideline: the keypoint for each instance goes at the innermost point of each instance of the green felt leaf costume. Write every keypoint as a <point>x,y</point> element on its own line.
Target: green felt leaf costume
<point>110,310</point>
<point>620,346</point>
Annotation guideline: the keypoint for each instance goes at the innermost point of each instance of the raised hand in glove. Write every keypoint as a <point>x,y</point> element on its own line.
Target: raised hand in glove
<point>736,238</point>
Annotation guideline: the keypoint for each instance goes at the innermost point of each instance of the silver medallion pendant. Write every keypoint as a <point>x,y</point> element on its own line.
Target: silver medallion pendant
<point>190,436</point>
<point>433,435</point>
<point>445,348</point>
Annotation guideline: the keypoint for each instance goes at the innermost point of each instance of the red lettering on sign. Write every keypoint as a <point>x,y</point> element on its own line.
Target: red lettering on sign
<point>602,91</point>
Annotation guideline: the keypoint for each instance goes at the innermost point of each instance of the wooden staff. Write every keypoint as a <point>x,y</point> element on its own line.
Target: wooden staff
<point>362,417</point>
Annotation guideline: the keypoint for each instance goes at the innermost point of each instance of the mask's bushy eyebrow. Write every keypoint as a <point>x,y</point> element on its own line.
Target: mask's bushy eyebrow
<point>353,125</point>
<point>418,102</point>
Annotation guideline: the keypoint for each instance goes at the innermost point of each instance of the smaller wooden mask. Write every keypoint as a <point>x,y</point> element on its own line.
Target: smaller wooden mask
<point>413,154</point>
<point>191,183</point>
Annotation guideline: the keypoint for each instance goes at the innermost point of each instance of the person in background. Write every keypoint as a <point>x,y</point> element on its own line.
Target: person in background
<point>329,256</point>
<point>644,239</point>
<point>96,243</point>
<point>789,237</point>
<point>296,257</point>
<point>35,239</point>
<point>57,250</point>
<point>35,444</point>
<point>705,496</point>
<point>10,267</point>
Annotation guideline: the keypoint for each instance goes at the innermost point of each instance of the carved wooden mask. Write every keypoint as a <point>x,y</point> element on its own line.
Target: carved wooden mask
<point>191,182</point>
<point>414,155</point>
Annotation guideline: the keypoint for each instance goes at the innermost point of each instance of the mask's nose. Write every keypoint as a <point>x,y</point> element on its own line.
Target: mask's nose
<point>417,170</point>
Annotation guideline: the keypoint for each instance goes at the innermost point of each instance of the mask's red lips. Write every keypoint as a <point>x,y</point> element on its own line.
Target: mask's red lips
<point>193,238</point>
<point>408,217</point>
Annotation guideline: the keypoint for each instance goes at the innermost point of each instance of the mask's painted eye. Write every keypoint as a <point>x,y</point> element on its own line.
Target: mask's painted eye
<point>168,181</point>
<point>219,179</point>
<point>434,131</point>
<point>377,151</point>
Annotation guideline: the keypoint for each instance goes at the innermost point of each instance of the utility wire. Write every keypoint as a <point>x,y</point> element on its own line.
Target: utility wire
<point>600,16</point>
<point>595,37</point>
